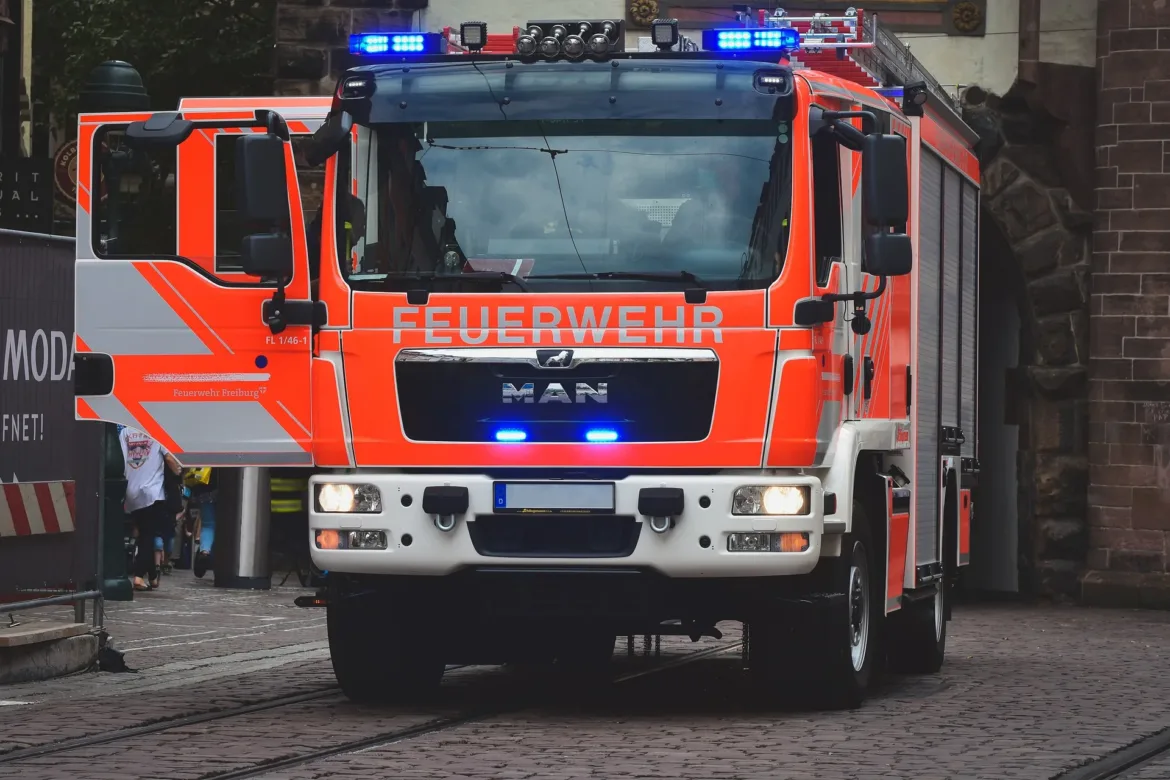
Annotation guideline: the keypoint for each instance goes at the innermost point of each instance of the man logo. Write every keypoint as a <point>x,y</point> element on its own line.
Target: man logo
<point>554,358</point>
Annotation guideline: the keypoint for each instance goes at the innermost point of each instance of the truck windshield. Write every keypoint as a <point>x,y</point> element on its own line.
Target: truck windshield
<point>569,205</point>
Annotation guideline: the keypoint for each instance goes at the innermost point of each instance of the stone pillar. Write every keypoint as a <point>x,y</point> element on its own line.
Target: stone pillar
<point>312,38</point>
<point>1129,431</point>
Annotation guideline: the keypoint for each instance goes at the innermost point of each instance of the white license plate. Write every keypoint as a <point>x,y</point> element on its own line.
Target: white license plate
<point>554,497</point>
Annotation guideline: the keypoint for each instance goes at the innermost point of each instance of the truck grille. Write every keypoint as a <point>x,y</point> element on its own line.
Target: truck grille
<point>471,395</point>
<point>555,536</point>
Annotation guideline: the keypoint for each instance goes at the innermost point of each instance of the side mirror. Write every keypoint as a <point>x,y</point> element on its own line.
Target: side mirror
<point>814,311</point>
<point>888,254</point>
<point>884,175</point>
<point>329,139</point>
<point>261,181</point>
<point>267,255</point>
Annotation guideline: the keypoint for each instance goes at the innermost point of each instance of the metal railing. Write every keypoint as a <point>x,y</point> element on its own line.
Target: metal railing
<point>892,63</point>
<point>77,599</point>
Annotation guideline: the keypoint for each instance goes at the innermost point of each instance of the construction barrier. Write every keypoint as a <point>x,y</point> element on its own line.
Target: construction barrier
<point>50,478</point>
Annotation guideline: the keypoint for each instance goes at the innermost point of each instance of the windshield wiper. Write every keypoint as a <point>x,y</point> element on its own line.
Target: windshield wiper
<point>647,276</point>
<point>481,276</point>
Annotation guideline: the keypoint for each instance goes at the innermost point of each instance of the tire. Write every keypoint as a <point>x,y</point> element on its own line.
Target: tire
<point>918,631</point>
<point>918,635</point>
<point>374,661</point>
<point>833,657</point>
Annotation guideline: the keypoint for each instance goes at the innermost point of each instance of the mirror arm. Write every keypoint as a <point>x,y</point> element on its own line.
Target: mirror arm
<point>275,319</point>
<point>860,322</point>
<point>868,119</point>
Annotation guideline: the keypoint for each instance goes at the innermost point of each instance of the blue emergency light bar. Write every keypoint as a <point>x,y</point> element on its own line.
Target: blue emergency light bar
<point>752,39</point>
<point>380,44</point>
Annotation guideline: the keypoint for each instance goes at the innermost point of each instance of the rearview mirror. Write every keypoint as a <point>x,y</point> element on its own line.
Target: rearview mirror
<point>261,181</point>
<point>884,175</point>
<point>267,255</point>
<point>888,254</point>
<point>329,138</point>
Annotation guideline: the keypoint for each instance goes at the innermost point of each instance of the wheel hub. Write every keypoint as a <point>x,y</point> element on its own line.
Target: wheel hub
<point>858,615</point>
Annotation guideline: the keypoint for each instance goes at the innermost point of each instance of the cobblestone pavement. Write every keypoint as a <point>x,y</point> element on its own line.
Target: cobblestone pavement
<point>1026,692</point>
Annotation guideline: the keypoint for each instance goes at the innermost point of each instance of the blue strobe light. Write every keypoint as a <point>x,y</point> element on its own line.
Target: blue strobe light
<point>601,435</point>
<point>511,434</point>
<point>374,44</point>
<point>753,38</point>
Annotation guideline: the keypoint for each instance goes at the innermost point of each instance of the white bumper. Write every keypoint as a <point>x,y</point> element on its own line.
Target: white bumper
<point>675,553</point>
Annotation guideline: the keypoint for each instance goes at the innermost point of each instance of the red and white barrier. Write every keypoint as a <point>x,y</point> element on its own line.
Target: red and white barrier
<point>33,508</point>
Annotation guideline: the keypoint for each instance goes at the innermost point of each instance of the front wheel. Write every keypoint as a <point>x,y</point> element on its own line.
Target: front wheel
<point>374,658</point>
<point>832,657</point>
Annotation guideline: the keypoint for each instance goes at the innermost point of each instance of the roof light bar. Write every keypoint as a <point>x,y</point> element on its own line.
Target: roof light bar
<point>752,39</point>
<point>407,44</point>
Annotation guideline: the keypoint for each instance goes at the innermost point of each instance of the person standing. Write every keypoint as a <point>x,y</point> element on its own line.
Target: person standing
<point>146,499</point>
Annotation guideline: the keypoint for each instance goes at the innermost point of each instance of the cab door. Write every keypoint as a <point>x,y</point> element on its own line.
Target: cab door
<point>175,344</point>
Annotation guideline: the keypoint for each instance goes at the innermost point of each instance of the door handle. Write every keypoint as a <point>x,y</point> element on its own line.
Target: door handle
<point>869,374</point>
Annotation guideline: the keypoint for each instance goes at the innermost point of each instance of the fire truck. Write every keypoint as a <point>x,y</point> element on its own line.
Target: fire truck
<point>579,341</point>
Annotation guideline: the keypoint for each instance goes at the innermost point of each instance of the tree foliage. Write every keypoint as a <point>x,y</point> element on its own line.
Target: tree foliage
<point>182,48</point>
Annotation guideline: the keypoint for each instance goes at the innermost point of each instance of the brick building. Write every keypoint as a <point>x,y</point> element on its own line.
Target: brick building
<point>1129,369</point>
<point>1072,101</point>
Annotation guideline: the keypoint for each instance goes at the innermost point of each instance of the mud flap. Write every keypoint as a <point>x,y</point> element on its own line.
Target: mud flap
<point>897,540</point>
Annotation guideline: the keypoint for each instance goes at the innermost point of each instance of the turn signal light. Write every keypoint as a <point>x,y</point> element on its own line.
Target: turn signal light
<point>768,542</point>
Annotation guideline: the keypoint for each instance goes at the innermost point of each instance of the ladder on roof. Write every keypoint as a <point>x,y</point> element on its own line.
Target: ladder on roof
<point>853,46</point>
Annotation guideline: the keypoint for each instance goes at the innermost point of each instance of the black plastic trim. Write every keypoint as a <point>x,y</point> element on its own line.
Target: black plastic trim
<point>445,500</point>
<point>93,374</point>
<point>661,502</point>
<point>312,313</point>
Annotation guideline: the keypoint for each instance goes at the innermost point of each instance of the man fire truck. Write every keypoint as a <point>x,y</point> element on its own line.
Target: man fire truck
<point>591,342</point>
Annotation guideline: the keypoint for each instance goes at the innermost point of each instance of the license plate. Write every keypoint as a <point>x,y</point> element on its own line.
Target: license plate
<point>576,498</point>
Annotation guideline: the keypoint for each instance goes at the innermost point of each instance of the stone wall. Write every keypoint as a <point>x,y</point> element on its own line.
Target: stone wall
<point>1129,431</point>
<point>1036,155</point>
<point>312,38</point>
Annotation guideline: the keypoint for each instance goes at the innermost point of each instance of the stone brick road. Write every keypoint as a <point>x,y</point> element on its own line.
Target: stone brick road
<point>1026,693</point>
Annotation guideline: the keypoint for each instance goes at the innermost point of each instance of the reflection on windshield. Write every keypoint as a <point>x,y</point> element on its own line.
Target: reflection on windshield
<point>571,197</point>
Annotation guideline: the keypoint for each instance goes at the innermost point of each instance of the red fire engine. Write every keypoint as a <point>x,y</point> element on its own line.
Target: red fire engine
<point>581,339</point>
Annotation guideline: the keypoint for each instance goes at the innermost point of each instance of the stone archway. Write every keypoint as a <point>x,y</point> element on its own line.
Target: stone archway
<point>1037,168</point>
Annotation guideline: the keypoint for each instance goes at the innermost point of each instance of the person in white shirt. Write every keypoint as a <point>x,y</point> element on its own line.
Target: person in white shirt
<point>146,502</point>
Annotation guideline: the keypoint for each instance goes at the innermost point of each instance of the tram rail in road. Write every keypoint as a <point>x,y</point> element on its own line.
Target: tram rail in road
<point>434,725</point>
<point>1124,763</point>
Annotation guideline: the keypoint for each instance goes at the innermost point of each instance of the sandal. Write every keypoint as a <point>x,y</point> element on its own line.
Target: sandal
<point>141,586</point>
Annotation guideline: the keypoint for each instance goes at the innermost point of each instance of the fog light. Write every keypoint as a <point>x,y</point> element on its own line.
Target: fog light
<point>785,500</point>
<point>772,542</point>
<point>345,498</point>
<point>367,540</point>
<point>341,539</point>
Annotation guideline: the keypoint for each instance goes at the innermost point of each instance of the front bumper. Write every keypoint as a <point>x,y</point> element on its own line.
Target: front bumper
<point>676,553</point>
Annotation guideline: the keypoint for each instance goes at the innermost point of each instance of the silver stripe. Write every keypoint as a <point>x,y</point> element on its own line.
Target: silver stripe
<point>175,378</point>
<point>110,409</point>
<point>337,361</point>
<point>245,459</point>
<point>583,355</point>
<point>119,313</point>
<point>212,426</point>
<point>82,228</point>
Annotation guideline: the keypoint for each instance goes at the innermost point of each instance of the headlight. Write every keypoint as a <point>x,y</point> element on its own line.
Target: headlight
<point>770,500</point>
<point>346,497</point>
